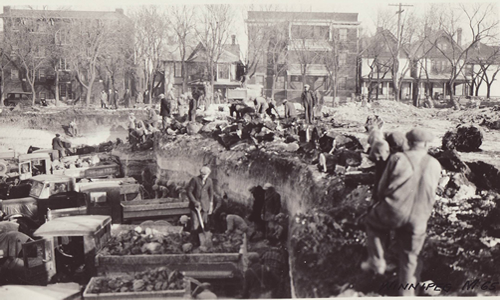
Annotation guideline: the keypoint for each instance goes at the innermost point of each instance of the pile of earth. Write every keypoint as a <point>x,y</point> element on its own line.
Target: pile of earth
<point>328,243</point>
<point>488,117</point>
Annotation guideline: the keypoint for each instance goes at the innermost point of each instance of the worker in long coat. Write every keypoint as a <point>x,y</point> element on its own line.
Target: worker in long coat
<point>406,194</point>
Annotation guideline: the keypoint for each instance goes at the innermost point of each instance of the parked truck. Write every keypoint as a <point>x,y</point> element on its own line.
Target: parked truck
<point>53,196</point>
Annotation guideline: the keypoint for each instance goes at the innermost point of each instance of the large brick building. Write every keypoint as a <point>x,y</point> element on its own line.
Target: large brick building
<point>54,24</point>
<point>317,48</point>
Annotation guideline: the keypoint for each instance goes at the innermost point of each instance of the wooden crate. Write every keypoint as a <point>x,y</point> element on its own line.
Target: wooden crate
<point>185,293</point>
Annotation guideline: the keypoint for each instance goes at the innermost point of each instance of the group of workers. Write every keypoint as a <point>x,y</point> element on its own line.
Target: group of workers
<point>205,209</point>
<point>111,98</point>
<point>406,179</point>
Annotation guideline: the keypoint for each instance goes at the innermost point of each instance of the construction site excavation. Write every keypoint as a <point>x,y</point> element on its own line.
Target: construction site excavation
<point>145,155</point>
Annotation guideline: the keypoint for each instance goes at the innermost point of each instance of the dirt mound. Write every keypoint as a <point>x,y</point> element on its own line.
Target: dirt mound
<point>489,117</point>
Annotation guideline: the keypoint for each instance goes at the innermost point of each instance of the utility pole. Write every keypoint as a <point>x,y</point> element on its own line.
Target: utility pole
<point>396,61</point>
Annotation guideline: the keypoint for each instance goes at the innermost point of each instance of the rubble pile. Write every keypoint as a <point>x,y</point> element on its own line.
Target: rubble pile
<point>464,237</point>
<point>488,117</point>
<point>463,138</point>
<point>141,241</point>
<point>159,279</point>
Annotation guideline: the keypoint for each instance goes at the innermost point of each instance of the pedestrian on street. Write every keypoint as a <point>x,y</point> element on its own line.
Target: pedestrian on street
<point>58,145</point>
<point>104,99</point>
<point>200,194</point>
<point>406,194</point>
<point>145,97</point>
<point>290,112</point>
<point>111,98</point>
<point>182,104</point>
<point>164,110</point>
<point>171,99</point>
<point>116,97</point>
<point>309,101</point>
<point>126,98</point>
<point>193,105</point>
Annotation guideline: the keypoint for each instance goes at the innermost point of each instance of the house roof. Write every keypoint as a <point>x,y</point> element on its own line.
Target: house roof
<point>483,52</point>
<point>62,14</point>
<point>381,44</point>
<point>428,45</point>
<point>316,16</point>
<point>226,56</point>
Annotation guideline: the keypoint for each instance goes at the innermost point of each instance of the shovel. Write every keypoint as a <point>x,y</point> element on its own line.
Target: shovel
<point>200,218</point>
<point>205,236</point>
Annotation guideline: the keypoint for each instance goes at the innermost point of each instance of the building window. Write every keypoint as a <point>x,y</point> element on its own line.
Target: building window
<point>342,58</point>
<point>63,64</point>
<point>343,34</point>
<point>296,78</point>
<point>62,37</point>
<point>223,71</point>
<point>177,69</point>
<point>41,74</point>
<point>343,83</point>
<point>310,32</point>
<point>14,74</point>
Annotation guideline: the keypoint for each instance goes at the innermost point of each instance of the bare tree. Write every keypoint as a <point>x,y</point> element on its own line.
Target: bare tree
<point>182,19</point>
<point>5,61</point>
<point>215,24</point>
<point>305,50</point>
<point>151,36</point>
<point>90,43</point>
<point>28,40</point>
<point>277,51</point>
<point>482,25</point>
<point>487,60</point>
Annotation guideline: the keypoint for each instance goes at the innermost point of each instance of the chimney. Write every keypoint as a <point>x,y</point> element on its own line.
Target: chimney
<point>119,10</point>
<point>233,38</point>
<point>6,9</point>
<point>459,36</point>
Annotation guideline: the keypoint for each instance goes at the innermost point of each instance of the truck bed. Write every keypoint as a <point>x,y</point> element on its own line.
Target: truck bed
<point>141,209</point>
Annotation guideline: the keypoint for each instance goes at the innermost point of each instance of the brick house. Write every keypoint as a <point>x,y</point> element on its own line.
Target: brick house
<point>321,50</point>
<point>228,70</point>
<point>45,78</point>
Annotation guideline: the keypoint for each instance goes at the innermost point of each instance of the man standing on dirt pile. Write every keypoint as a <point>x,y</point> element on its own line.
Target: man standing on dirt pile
<point>309,101</point>
<point>201,194</point>
<point>57,144</point>
<point>406,194</point>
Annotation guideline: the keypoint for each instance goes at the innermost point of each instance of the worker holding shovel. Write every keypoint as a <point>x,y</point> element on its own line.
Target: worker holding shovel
<point>201,195</point>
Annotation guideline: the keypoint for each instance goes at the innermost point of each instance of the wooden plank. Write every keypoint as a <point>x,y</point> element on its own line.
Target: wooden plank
<point>155,213</point>
<point>165,259</point>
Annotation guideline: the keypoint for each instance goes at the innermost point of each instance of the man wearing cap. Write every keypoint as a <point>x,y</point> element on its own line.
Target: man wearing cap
<point>58,145</point>
<point>406,194</point>
<point>201,194</point>
<point>290,112</point>
<point>309,101</point>
<point>164,110</point>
